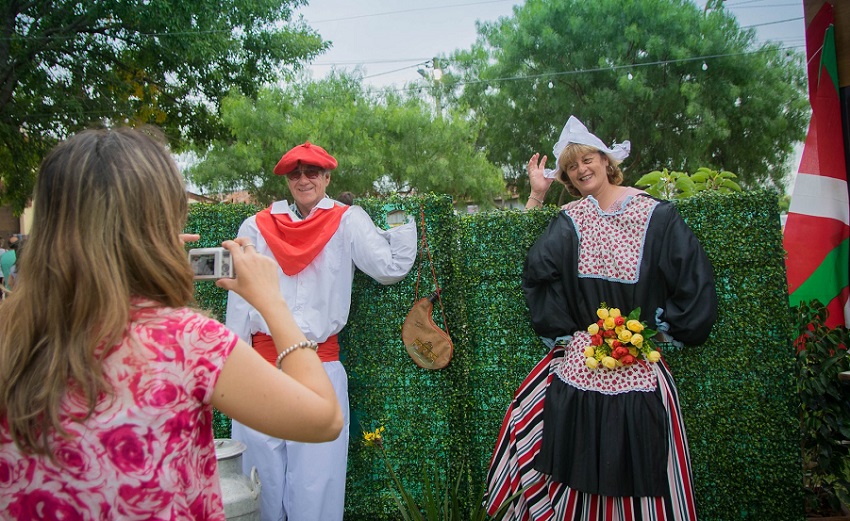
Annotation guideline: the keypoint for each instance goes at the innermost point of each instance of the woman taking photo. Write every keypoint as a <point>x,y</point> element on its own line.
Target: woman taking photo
<point>108,377</point>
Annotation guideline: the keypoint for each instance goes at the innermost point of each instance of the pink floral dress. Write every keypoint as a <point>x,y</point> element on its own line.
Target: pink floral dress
<point>147,451</point>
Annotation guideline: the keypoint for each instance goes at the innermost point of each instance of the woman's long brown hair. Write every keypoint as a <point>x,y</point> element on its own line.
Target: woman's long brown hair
<point>108,208</point>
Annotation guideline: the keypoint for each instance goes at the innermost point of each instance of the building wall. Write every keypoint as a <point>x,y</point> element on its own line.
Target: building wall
<point>9,224</point>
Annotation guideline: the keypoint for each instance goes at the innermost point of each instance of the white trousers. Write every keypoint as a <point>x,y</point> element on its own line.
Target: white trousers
<point>300,481</point>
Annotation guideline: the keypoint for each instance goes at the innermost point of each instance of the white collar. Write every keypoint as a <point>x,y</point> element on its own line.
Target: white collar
<point>279,207</point>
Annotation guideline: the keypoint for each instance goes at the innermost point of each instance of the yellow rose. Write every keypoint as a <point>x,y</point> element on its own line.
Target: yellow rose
<point>608,323</point>
<point>591,363</point>
<point>625,335</point>
<point>634,326</point>
<point>614,312</point>
<point>602,313</point>
<point>609,341</point>
<point>619,328</point>
<point>633,351</point>
<point>637,339</point>
<point>609,362</point>
<point>593,329</point>
<point>589,351</point>
<point>653,356</point>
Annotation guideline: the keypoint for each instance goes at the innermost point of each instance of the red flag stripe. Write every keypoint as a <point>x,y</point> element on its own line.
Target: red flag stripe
<point>804,254</point>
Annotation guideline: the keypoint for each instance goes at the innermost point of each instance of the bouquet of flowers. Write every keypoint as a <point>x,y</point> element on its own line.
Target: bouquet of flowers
<point>617,341</point>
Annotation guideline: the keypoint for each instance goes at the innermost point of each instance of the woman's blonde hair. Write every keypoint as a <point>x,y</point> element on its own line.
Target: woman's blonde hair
<point>571,155</point>
<point>108,208</point>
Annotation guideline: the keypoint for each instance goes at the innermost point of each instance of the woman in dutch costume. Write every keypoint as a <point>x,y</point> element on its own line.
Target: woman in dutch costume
<point>595,432</point>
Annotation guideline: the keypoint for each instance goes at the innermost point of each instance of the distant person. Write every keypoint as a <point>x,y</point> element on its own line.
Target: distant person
<point>13,271</point>
<point>346,198</point>
<point>2,280</point>
<point>108,378</point>
<point>317,242</point>
<point>9,257</point>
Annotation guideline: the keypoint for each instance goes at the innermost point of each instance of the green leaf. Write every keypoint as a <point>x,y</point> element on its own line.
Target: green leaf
<point>650,178</point>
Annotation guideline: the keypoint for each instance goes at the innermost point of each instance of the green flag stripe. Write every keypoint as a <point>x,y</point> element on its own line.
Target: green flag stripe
<point>826,281</point>
<point>829,57</point>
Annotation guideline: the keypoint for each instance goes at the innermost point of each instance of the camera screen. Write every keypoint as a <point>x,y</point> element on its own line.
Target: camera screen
<point>204,264</point>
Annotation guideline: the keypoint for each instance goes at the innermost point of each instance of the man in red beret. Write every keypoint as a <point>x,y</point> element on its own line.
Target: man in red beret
<point>317,242</point>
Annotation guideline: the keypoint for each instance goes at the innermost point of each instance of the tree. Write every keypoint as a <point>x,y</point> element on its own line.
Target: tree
<point>689,89</point>
<point>384,143</point>
<point>66,65</point>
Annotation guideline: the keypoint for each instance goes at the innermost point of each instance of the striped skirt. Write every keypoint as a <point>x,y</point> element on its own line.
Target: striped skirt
<point>520,439</point>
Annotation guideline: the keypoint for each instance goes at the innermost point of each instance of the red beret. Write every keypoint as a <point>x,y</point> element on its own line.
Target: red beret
<point>307,154</point>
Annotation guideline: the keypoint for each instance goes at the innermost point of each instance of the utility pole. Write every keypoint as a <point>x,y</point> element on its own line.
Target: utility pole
<point>433,73</point>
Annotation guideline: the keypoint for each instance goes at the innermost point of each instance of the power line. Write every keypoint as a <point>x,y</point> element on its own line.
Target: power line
<point>432,8</point>
<point>604,69</point>
<point>774,23</point>
<point>766,6</point>
<point>395,70</point>
<point>364,62</point>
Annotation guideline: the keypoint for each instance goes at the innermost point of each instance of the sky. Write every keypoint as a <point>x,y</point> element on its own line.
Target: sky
<point>391,39</point>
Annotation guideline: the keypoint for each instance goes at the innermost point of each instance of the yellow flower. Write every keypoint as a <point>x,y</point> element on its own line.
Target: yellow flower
<point>602,313</point>
<point>593,328</point>
<point>373,438</point>
<point>634,326</point>
<point>614,312</point>
<point>625,335</point>
<point>637,339</point>
<point>609,362</point>
<point>608,323</point>
<point>609,341</point>
<point>633,351</point>
<point>589,351</point>
<point>591,363</point>
<point>653,356</point>
<point>618,329</point>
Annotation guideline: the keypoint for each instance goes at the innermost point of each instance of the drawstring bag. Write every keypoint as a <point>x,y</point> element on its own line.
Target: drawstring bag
<point>427,344</point>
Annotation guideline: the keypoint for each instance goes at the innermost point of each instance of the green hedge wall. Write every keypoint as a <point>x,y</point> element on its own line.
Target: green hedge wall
<point>737,391</point>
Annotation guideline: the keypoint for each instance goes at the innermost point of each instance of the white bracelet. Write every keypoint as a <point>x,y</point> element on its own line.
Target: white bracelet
<point>306,343</point>
<point>536,199</point>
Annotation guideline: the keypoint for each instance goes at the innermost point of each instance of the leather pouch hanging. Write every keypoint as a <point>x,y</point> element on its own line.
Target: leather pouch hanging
<point>427,344</point>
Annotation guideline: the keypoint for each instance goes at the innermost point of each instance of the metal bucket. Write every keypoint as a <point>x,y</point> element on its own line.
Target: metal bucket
<point>239,493</point>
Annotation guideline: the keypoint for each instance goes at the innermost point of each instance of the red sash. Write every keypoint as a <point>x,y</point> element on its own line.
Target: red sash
<point>264,345</point>
<point>295,244</point>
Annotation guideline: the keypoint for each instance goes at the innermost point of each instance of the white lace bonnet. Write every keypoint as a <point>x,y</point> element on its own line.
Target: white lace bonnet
<point>575,132</point>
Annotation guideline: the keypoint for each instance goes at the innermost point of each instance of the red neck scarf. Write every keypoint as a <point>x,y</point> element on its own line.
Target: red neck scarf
<point>296,243</point>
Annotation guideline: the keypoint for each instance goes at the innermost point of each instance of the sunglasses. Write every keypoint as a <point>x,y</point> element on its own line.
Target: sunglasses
<point>311,173</point>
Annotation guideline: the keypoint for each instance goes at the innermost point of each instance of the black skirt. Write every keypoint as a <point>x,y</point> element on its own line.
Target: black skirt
<point>611,445</point>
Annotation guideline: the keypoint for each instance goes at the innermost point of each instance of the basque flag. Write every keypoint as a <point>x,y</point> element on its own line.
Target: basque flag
<point>817,231</point>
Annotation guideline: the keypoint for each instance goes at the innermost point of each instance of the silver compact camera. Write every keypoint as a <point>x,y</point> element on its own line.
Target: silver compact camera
<point>211,263</point>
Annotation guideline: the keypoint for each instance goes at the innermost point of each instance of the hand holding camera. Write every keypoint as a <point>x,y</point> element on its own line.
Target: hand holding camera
<point>237,267</point>
<point>211,263</point>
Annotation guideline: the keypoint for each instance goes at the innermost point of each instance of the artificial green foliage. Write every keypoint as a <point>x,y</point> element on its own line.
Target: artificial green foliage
<point>442,498</point>
<point>420,409</point>
<point>824,409</point>
<point>738,391</point>
<point>215,223</point>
